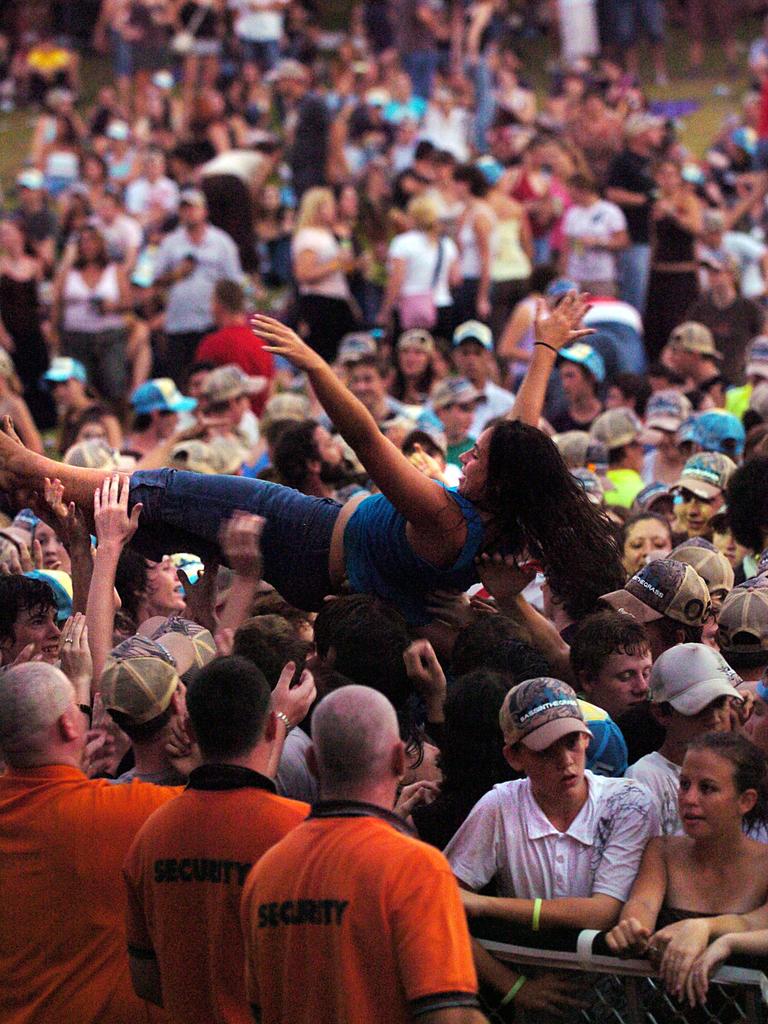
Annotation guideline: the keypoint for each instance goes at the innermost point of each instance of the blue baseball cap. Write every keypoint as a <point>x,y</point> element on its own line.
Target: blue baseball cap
<point>719,431</point>
<point>490,168</point>
<point>61,585</point>
<point>745,138</point>
<point>607,750</point>
<point>65,368</point>
<point>586,356</point>
<point>561,287</point>
<point>161,395</point>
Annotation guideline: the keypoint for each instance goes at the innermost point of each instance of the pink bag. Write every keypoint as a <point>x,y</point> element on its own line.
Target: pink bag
<point>420,310</point>
<point>417,311</point>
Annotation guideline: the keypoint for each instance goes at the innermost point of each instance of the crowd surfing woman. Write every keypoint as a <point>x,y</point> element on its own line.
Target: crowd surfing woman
<point>415,536</point>
<point>714,869</point>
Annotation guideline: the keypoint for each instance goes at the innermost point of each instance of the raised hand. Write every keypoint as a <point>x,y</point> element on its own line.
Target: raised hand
<point>282,341</point>
<point>294,701</point>
<point>560,327</point>
<point>240,542</point>
<point>76,660</point>
<point>110,512</point>
<point>628,938</point>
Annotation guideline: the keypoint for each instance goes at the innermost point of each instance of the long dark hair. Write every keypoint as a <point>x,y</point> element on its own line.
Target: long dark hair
<point>538,507</point>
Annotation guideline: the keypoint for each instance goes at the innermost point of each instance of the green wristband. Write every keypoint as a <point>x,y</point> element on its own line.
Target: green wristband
<point>536,918</point>
<point>513,991</point>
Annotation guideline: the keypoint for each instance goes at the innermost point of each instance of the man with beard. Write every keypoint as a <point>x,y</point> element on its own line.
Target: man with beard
<point>310,460</point>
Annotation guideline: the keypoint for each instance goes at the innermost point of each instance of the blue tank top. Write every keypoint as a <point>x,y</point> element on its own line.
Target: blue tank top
<point>379,560</point>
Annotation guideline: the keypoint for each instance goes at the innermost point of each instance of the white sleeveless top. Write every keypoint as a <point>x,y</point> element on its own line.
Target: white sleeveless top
<point>80,314</point>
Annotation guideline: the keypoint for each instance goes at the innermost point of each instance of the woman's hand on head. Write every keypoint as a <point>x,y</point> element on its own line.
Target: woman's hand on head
<point>560,327</point>
<point>282,341</point>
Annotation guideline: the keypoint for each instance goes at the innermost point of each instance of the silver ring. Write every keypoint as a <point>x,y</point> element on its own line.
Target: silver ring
<point>69,640</point>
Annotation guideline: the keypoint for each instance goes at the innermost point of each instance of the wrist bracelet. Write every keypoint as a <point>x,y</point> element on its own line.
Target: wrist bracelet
<point>284,719</point>
<point>543,344</point>
<point>513,991</point>
<point>535,919</point>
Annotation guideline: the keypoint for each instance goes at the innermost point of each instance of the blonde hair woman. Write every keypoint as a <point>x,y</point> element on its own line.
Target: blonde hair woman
<point>320,266</point>
<point>423,266</point>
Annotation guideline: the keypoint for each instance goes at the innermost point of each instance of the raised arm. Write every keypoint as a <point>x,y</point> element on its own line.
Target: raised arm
<point>553,330</point>
<point>420,500</point>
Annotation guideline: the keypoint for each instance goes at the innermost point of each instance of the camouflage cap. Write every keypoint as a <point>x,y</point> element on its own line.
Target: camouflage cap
<point>664,587</point>
<point>539,712</point>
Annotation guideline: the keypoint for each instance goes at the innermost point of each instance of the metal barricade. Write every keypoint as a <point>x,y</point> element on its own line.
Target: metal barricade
<point>626,991</point>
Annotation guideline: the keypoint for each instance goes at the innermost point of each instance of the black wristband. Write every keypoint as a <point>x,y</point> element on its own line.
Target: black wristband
<point>543,344</point>
<point>87,711</point>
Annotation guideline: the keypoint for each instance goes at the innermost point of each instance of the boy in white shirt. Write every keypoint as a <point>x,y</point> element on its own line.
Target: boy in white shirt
<point>691,688</point>
<point>562,844</point>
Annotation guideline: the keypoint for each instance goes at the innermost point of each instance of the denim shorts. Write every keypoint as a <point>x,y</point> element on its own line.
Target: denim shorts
<point>185,511</point>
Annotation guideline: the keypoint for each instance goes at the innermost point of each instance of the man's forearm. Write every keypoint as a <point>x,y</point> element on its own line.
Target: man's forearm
<point>599,911</point>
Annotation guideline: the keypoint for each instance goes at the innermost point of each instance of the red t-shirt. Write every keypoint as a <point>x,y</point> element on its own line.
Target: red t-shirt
<point>238,344</point>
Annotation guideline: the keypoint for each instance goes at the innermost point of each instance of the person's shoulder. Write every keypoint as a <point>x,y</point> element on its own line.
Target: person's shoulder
<point>622,792</point>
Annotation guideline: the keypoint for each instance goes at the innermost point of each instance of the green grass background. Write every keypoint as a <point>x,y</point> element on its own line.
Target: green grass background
<point>697,130</point>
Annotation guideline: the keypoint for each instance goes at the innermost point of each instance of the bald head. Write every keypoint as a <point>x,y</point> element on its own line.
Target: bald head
<point>354,734</point>
<point>32,699</point>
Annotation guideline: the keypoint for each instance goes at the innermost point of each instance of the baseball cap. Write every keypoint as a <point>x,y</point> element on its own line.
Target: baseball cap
<point>758,400</point>
<point>140,688</point>
<point>92,454</point>
<point>591,483</point>
<point>719,431</point>
<point>231,381</point>
<point>163,80</point>
<point>539,712</point>
<point>31,178</point>
<point>743,620</point>
<point>194,456</point>
<point>192,197</point>
<point>689,677</point>
<point>192,565</point>
<point>65,368</point>
<point>473,330</point>
<point>228,454</point>
<point>663,587</point>
<point>577,449</point>
<point>288,68</point>
<point>490,168</point>
<point>118,131</point>
<point>636,124</point>
<point>586,356</point>
<point>692,336</point>
<point>713,567</point>
<point>706,474</point>
<point>355,346</point>
<point>377,97</point>
<point>666,410</point>
<point>616,427</point>
<point>61,585</point>
<point>745,138</point>
<point>561,286</point>
<point>454,391</point>
<point>160,394</point>
<point>649,495</point>
<point>190,644</point>
<point>418,338</point>
<point>607,750</point>
<point>287,406</point>
<point>757,357</point>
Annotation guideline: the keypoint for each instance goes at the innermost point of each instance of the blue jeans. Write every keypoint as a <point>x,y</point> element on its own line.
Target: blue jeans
<point>421,66</point>
<point>634,270</point>
<point>630,17</point>
<point>185,511</point>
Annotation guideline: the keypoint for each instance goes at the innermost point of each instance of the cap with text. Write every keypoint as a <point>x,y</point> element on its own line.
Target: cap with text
<point>706,475</point>
<point>664,588</point>
<point>539,712</point>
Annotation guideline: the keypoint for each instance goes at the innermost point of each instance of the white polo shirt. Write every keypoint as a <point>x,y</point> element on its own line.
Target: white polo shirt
<point>508,837</point>
<point>662,780</point>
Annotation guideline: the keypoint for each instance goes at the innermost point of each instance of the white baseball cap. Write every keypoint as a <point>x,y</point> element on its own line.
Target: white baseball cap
<point>691,676</point>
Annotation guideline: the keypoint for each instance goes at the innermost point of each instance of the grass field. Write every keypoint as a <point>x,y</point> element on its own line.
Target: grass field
<point>697,130</point>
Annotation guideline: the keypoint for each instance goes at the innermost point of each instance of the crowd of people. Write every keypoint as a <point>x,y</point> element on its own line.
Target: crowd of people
<point>383,512</point>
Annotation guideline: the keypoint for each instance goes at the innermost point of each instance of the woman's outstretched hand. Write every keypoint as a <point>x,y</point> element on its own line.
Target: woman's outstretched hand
<point>282,341</point>
<point>560,327</point>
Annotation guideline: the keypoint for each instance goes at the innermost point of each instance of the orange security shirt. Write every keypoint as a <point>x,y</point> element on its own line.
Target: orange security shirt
<point>63,840</point>
<point>350,920</point>
<point>185,874</point>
